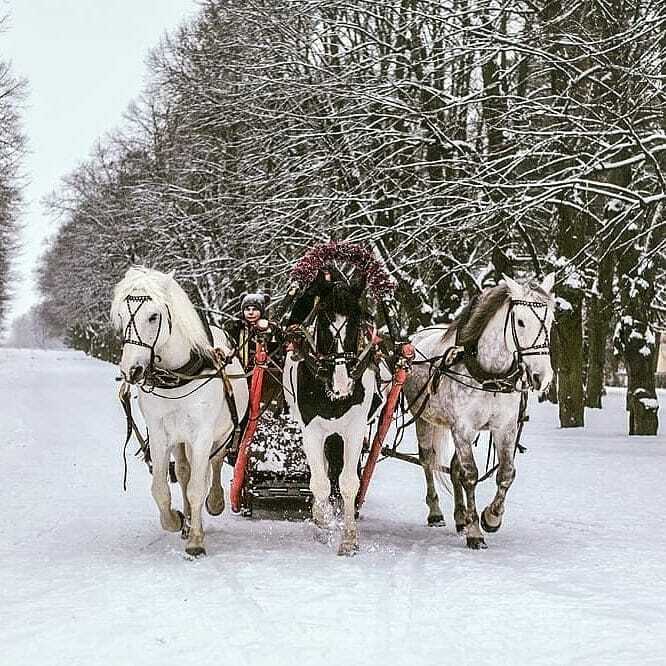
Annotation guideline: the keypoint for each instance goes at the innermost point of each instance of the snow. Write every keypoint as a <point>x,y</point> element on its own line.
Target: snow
<point>574,280</point>
<point>650,403</point>
<point>575,575</point>
<point>562,305</point>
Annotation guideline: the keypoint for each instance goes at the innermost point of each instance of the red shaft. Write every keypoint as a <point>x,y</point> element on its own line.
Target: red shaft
<point>238,482</point>
<point>399,378</point>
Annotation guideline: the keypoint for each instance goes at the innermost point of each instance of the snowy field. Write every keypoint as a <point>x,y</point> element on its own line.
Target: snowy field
<point>576,575</point>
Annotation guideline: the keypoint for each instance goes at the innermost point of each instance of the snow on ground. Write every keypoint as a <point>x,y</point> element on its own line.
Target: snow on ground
<point>576,575</point>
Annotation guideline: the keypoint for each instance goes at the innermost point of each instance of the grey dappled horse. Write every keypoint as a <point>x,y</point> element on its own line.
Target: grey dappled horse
<point>509,330</point>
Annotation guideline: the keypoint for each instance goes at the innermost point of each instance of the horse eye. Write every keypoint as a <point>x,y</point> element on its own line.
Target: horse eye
<point>153,318</point>
<point>521,323</point>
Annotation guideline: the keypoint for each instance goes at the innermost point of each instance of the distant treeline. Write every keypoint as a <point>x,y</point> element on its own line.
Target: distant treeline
<point>460,140</point>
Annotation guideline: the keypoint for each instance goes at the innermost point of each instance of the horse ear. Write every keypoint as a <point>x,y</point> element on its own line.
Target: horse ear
<point>514,287</point>
<point>242,296</point>
<point>267,300</point>
<point>548,283</point>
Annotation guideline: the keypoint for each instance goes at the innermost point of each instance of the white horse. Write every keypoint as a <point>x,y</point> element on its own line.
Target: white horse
<point>330,391</point>
<point>162,330</point>
<point>506,336</point>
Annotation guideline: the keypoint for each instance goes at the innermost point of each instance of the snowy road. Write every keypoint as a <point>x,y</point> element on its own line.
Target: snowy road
<point>577,575</point>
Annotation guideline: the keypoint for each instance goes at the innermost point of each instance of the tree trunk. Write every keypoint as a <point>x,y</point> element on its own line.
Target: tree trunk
<point>569,317</point>
<point>598,327</point>
<point>570,370</point>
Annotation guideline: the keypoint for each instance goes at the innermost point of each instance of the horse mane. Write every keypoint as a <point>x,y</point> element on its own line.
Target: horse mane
<point>475,316</point>
<point>166,292</point>
<point>338,298</point>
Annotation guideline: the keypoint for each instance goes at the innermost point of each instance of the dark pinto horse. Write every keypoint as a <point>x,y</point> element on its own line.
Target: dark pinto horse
<point>331,386</point>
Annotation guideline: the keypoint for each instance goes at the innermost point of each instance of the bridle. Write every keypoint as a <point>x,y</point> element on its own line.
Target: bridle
<point>323,363</point>
<point>320,364</point>
<point>536,348</point>
<point>131,335</point>
<point>506,382</point>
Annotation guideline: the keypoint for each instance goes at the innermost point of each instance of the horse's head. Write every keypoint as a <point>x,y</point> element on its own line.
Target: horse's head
<point>338,327</point>
<point>150,309</point>
<point>527,328</point>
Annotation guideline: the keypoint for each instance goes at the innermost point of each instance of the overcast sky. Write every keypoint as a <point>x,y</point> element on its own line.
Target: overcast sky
<point>84,61</point>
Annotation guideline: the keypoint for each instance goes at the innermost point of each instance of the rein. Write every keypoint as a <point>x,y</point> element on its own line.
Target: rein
<point>517,448</point>
<point>316,362</point>
<point>508,382</point>
<point>125,397</point>
<point>198,367</point>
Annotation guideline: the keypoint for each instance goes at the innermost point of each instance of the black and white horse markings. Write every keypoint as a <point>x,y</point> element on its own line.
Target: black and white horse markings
<point>509,327</point>
<point>333,390</point>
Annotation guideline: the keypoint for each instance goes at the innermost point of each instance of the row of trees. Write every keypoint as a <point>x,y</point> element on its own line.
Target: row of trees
<point>461,139</point>
<point>12,148</point>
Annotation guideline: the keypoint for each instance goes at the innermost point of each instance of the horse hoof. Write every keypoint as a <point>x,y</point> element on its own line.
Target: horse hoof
<point>348,549</point>
<point>476,543</point>
<point>460,528</point>
<point>321,535</point>
<point>210,508</point>
<point>487,527</point>
<point>436,521</point>
<point>195,551</point>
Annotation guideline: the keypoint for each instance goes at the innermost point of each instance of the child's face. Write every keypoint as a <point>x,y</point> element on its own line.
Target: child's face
<point>251,314</point>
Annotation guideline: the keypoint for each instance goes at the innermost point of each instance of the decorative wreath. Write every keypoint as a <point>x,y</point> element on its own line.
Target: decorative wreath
<point>377,279</point>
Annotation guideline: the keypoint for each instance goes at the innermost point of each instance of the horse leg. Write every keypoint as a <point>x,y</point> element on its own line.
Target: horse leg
<point>215,498</point>
<point>349,484</point>
<point>459,509</point>
<point>196,493</point>
<point>320,485</point>
<point>171,520</point>
<point>183,476</point>
<point>469,475</point>
<point>491,516</point>
<point>426,434</point>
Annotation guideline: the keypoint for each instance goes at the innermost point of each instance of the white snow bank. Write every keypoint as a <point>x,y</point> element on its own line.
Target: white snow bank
<point>575,575</point>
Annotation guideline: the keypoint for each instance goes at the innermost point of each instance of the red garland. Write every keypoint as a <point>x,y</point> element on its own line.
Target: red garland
<point>377,279</point>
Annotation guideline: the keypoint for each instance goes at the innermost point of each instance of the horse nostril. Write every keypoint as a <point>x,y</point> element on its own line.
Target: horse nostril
<point>135,373</point>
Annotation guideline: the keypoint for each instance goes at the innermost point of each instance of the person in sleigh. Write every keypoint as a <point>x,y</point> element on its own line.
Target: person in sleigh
<point>242,331</point>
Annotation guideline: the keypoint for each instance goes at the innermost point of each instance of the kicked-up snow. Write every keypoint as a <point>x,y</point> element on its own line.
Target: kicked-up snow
<point>576,575</point>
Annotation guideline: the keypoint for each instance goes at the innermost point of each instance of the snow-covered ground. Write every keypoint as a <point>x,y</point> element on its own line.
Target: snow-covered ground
<point>576,575</point>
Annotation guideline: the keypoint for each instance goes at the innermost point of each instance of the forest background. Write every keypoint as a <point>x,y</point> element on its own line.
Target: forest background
<point>461,140</point>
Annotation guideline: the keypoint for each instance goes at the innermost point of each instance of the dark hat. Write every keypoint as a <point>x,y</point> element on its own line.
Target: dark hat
<point>256,300</point>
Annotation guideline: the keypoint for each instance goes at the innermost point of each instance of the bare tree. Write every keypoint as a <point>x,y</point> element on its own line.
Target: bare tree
<point>12,148</point>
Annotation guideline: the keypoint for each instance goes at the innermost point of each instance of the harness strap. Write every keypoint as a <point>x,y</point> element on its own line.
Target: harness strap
<point>124,396</point>
<point>231,403</point>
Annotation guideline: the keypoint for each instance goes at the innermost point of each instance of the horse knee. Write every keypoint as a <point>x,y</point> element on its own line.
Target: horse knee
<point>159,489</point>
<point>506,476</point>
<point>183,472</point>
<point>469,475</point>
<point>320,486</point>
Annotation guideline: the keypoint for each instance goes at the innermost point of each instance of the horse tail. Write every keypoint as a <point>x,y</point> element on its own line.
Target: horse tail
<point>444,453</point>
